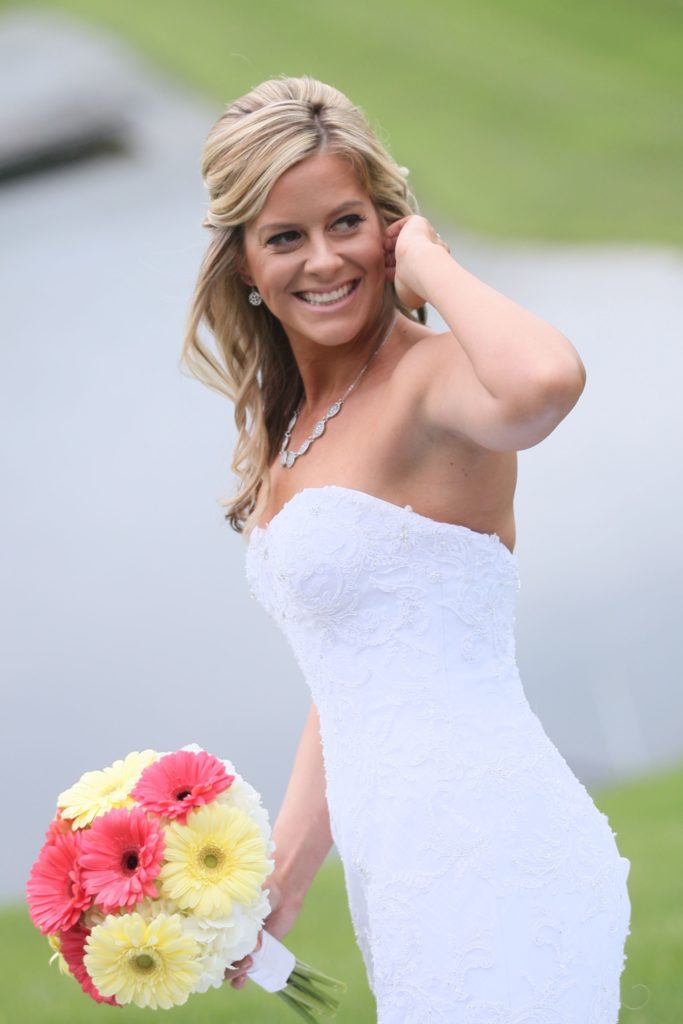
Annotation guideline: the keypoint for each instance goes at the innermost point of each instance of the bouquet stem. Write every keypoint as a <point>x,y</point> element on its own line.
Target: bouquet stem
<point>313,995</point>
<point>306,993</point>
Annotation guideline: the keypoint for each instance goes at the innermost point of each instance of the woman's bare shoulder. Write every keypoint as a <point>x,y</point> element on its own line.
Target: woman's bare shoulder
<point>436,380</point>
<point>429,359</point>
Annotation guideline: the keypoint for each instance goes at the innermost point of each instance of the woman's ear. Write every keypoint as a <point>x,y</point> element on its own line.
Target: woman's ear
<point>243,271</point>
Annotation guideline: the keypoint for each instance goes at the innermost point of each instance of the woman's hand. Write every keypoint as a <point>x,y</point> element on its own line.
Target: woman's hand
<point>404,243</point>
<point>282,916</point>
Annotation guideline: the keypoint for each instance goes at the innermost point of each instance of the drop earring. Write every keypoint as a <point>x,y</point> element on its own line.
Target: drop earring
<point>255,297</point>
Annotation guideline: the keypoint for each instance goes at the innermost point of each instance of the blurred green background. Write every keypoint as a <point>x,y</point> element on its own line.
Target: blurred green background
<point>530,120</point>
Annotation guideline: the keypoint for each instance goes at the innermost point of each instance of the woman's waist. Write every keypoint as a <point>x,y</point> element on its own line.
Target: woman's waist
<point>459,725</point>
<point>446,667</point>
<point>490,689</point>
<point>458,779</point>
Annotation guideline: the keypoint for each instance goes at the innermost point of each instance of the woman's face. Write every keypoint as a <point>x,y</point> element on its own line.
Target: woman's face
<point>316,252</point>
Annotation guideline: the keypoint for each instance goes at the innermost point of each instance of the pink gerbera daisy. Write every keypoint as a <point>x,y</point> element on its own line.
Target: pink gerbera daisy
<point>72,948</point>
<point>176,783</point>
<point>55,891</point>
<point>57,827</point>
<point>122,853</point>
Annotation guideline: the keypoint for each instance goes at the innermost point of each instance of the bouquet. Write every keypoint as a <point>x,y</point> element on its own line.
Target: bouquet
<point>149,885</point>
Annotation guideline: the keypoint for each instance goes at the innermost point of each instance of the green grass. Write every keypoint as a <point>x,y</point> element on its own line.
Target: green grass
<point>529,120</point>
<point>647,816</point>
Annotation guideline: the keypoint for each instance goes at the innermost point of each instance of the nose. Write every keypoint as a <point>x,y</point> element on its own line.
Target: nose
<point>322,259</point>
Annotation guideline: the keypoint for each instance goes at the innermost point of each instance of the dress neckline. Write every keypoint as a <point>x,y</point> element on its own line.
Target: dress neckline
<point>373,499</point>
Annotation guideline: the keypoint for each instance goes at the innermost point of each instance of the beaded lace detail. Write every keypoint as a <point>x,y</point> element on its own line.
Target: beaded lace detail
<point>484,885</point>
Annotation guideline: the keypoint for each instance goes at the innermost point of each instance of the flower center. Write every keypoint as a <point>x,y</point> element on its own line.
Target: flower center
<point>143,963</point>
<point>212,857</point>
<point>130,860</point>
<point>183,794</point>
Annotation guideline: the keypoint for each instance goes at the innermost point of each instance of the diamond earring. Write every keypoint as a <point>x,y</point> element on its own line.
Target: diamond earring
<point>255,297</point>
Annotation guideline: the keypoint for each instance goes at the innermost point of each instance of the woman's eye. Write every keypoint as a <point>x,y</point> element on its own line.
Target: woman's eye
<point>284,238</point>
<point>352,220</point>
<point>348,223</point>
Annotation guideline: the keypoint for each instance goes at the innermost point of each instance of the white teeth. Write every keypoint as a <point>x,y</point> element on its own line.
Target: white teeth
<point>321,298</point>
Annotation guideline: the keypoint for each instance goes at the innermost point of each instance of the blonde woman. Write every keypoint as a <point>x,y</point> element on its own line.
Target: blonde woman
<point>376,462</point>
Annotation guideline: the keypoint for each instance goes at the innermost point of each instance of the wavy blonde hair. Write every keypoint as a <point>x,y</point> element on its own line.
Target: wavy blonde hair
<point>257,138</point>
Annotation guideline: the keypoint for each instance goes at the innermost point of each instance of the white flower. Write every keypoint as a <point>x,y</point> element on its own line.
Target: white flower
<point>226,940</point>
<point>243,796</point>
<point>236,929</point>
<point>216,956</point>
<point>213,972</point>
<point>404,172</point>
<point>194,748</point>
<point>260,909</point>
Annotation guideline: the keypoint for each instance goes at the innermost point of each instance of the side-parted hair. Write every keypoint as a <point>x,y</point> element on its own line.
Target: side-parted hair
<point>256,139</point>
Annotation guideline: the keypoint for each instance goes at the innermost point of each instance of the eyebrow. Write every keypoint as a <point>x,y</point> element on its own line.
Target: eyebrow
<point>338,209</point>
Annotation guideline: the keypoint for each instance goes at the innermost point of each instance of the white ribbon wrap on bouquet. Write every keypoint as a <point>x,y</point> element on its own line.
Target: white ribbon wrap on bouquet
<point>273,964</point>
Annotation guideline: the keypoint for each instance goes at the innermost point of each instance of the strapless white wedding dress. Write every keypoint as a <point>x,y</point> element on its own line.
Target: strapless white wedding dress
<point>484,885</point>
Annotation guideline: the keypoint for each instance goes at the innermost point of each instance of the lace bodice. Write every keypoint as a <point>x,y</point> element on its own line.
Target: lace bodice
<point>484,884</point>
<point>352,577</point>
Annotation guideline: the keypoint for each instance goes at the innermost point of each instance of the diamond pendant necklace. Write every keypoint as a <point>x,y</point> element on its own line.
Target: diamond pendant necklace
<point>287,458</point>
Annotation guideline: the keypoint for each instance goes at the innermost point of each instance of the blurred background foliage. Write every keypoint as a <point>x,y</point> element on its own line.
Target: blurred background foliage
<point>538,120</point>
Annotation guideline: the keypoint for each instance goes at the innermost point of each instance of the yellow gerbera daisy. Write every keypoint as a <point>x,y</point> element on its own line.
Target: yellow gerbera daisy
<point>97,792</point>
<point>217,856</point>
<point>149,963</point>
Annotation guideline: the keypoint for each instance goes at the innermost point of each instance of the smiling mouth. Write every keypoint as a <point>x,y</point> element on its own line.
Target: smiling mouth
<point>328,298</point>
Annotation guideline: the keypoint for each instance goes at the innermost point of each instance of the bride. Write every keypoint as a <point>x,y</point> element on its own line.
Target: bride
<point>377,469</point>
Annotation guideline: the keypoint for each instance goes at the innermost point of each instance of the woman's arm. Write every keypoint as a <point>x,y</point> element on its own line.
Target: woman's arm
<point>302,832</point>
<point>504,377</point>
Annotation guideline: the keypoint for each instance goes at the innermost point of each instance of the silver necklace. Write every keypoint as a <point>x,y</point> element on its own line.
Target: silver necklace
<point>287,459</point>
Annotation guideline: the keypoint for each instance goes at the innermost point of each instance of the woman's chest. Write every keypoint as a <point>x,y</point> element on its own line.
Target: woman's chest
<point>376,443</point>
